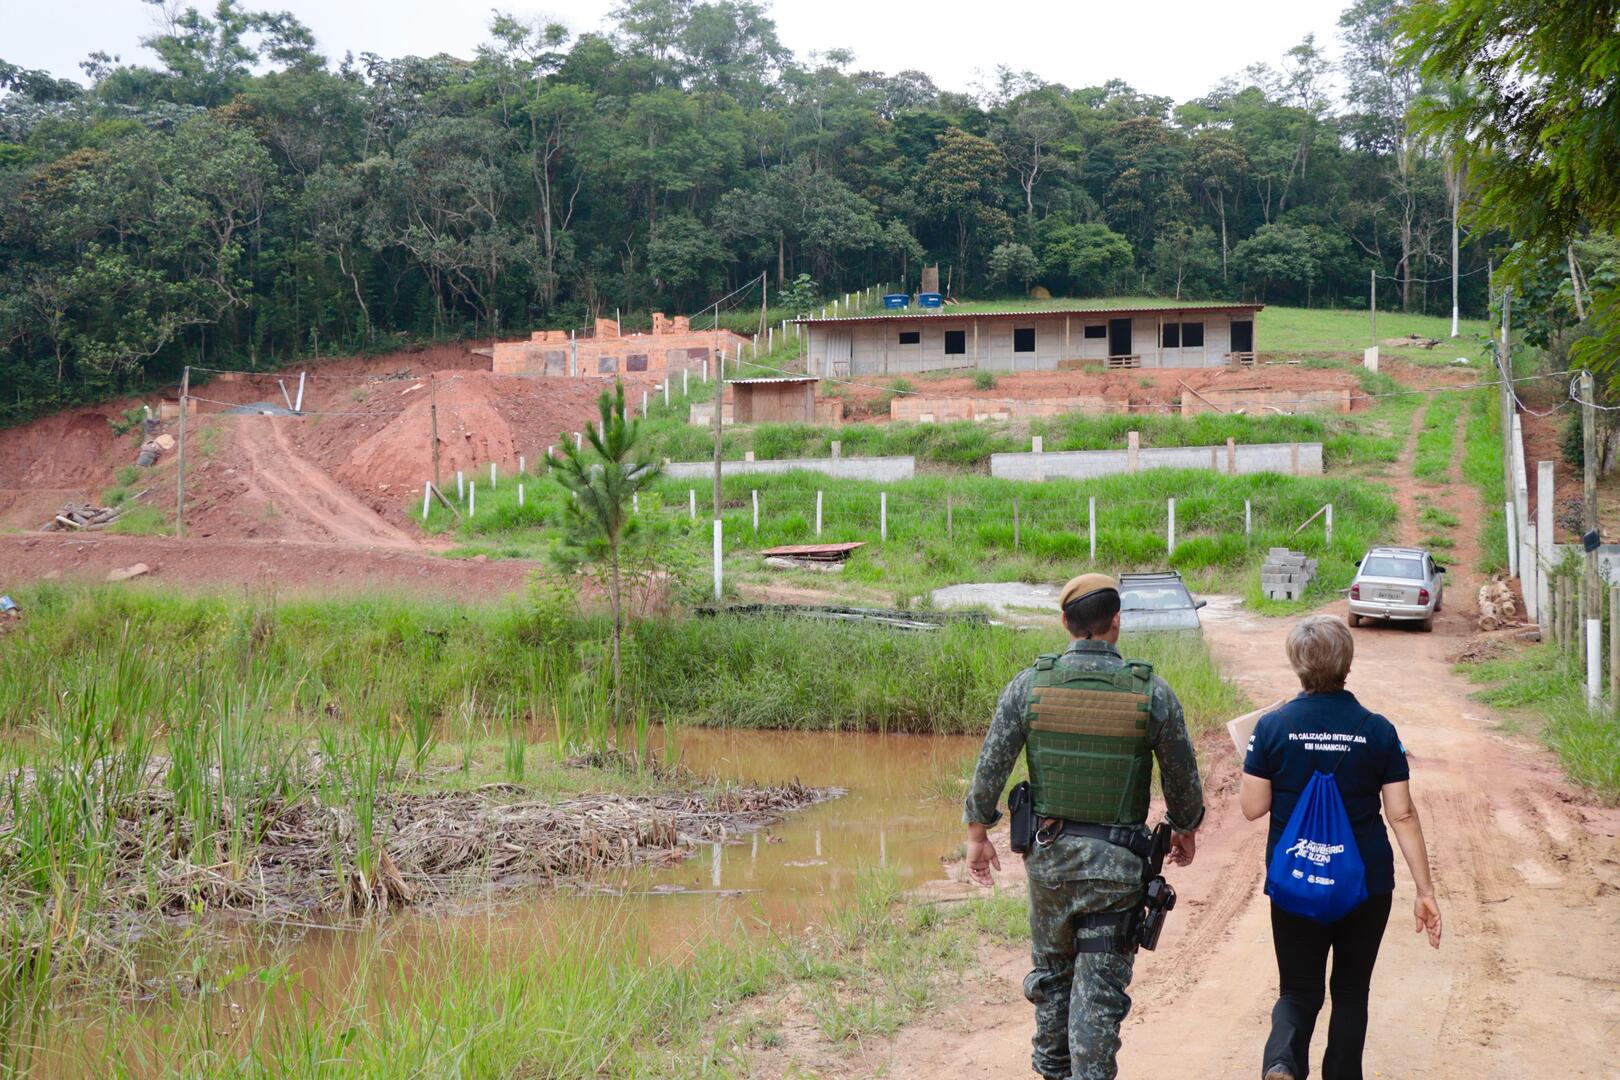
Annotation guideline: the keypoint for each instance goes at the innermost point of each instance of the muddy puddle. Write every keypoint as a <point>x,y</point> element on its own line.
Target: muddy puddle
<point>900,811</point>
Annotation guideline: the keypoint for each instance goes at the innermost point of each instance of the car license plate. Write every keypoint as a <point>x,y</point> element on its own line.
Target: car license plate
<point>1386,594</point>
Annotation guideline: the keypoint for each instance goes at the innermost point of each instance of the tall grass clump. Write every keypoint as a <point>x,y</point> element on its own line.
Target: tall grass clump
<point>1541,681</point>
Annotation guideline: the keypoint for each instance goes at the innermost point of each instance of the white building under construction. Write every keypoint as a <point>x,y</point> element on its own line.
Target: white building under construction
<point>1043,339</point>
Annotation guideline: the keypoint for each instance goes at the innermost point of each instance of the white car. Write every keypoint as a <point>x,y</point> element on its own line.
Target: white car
<point>1397,584</point>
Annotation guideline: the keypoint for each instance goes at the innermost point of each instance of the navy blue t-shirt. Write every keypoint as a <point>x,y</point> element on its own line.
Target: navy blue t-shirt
<point>1316,732</point>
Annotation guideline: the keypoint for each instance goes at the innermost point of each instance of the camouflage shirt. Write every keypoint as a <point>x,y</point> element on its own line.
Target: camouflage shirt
<point>1167,734</point>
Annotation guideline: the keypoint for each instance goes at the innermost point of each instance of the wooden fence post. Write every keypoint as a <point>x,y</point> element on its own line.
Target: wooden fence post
<point>883,516</point>
<point>427,491</point>
<point>1248,518</point>
<point>472,498</point>
<point>691,503</point>
<point>1170,534</point>
<point>756,511</point>
<point>818,513</point>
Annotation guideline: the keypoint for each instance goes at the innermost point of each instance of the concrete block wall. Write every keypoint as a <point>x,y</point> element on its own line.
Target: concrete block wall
<point>1263,401</point>
<point>867,468</point>
<point>1085,464</point>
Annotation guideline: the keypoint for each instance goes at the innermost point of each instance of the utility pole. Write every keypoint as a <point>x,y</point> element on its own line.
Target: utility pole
<point>719,394</point>
<point>1589,588</point>
<point>433,415</point>
<point>180,458</point>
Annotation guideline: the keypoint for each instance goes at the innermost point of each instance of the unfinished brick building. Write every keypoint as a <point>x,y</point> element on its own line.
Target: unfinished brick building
<point>604,353</point>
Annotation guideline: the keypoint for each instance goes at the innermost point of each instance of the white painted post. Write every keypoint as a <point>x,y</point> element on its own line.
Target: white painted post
<point>770,339</point>
<point>427,490</point>
<point>579,441</point>
<point>1512,538</point>
<point>666,391</point>
<point>686,374</point>
<point>691,503</point>
<point>1248,518</point>
<point>522,465</point>
<point>644,403</point>
<point>492,476</point>
<point>756,511</point>
<point>472,498</point>
<point>520,493</point>
<point>461,487</point>
<point>1091,523</point>
<point>719,574</point>
<point>635,502</point>
<point>1544,538</point>
<point>1170,536</point>
<point>1036,445</point>
<point>818,513</point>
<point>551,449</point>
<point>1594,664</point>
<point>298,406</point>
<point>883,515</point>
<point>1328,530</point>
<point>705,373</point>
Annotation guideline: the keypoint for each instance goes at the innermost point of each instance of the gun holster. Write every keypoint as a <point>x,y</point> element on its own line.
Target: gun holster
<point>1021,809</point>
<point>1158,899</point>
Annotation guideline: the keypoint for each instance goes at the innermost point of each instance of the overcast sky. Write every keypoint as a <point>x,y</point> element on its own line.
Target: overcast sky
<point>1177,47</point>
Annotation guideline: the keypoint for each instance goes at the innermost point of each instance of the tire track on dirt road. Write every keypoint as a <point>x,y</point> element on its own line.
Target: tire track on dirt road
<point>296,486</point>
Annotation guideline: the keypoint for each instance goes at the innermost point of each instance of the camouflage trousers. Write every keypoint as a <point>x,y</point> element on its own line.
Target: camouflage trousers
<point>1080,997</point>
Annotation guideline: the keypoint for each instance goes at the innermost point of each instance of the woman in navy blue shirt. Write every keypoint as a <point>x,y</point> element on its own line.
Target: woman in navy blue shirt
<point>1325,728</point>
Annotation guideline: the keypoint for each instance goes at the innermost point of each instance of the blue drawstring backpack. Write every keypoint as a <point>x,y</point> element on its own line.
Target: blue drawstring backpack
<point>1316,869</point>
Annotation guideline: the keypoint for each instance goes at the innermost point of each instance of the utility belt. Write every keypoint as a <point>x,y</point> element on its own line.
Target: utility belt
<point>1134,840</point>
<point>1114,931</point>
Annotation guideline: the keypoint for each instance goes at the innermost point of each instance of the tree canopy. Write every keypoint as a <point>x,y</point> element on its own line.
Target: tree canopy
<point>241,199</point>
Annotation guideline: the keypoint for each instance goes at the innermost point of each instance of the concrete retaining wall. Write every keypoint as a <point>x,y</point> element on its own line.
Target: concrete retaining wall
<point>867,468</point>
<point>1303,459</point>
<point>927,410</point>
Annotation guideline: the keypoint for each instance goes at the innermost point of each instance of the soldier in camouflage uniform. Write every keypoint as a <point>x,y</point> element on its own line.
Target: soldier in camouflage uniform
<point>1085,879</point>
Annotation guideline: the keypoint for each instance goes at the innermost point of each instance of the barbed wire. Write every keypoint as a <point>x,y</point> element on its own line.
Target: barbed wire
<point>1435,281</point>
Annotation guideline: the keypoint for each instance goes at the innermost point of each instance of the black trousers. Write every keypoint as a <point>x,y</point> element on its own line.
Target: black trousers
<point>1302,955</point>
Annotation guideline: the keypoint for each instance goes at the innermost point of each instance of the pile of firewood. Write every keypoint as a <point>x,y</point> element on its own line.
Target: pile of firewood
<point>82,517</point>
<point>1497,605</point>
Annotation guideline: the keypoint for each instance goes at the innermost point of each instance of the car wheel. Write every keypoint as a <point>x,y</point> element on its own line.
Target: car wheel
<point>1355,620</point>
<point>1427,625</point>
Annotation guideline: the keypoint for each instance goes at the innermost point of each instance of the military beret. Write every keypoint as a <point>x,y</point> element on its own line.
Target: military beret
<point>1083,586</point>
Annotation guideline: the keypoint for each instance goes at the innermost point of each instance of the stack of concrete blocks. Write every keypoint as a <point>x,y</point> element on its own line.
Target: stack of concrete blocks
<point>1284,574</point>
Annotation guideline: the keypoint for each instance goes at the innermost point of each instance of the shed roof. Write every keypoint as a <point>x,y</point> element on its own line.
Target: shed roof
<point>1040,312</point>
<point>790,380</point>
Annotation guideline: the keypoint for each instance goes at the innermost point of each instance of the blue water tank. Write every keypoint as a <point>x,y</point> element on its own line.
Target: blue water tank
<point>896,300</point>
<point>930,299</point>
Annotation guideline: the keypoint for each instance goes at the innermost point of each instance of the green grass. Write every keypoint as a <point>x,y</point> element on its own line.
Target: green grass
<point>1289,331</point>
<point>141,521</point>
<point>921,553</point>
<point>1483,468</point>
<point>1436,444</point>
<point>607,1001</point>
<point>1542,683</point>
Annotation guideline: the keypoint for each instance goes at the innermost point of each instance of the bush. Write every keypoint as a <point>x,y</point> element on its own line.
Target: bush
<point>984,380</point>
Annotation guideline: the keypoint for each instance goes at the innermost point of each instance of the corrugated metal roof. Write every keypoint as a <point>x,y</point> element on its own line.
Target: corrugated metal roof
<point>946,313</point>
<point>760,381</point>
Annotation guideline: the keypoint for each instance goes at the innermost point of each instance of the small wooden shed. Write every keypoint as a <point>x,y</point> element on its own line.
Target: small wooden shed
<point>774,401</point>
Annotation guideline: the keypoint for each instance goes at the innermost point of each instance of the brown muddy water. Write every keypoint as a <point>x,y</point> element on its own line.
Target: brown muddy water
<point>900,812</point>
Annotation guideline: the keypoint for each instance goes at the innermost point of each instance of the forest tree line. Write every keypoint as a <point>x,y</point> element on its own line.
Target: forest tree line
<point>245,199</point>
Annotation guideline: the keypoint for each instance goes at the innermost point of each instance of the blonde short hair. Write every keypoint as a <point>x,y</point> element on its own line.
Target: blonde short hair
<point>1320,649</point>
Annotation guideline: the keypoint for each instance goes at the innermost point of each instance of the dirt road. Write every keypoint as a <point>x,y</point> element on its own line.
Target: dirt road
<point>1527,873</point>
<point>1528,878</point>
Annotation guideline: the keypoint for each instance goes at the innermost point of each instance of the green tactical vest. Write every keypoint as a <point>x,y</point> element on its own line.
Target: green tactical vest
<point>1087,743</point>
